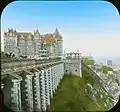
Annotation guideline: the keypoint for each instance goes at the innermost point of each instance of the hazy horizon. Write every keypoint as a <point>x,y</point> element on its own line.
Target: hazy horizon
<point>91,26</point>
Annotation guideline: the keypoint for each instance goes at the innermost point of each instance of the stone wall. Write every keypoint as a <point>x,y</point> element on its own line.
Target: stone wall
<point>12,93</point>
<point>32,89</point>
<point>73,67</point>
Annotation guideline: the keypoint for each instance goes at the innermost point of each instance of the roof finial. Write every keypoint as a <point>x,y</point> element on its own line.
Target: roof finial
<point>36,32</point>
<point>78,50</point>
<point>56,31</point>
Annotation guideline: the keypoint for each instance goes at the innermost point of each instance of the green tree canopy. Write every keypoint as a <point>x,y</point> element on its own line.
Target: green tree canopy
<point>105,69</point>
<point>88,62</point>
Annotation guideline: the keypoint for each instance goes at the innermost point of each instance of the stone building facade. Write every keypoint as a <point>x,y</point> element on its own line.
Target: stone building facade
<point>72,64</point>
<point>30,45</point>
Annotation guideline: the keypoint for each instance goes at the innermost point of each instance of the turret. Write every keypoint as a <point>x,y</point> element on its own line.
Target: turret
<point>10,39</point>
<point>57,35</point>
<point>37,43</point>
<point>36,34</point>
<point>59,42</point>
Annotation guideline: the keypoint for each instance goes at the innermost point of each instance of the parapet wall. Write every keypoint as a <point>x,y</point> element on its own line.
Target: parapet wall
<point>30,87</point>
<point>73,66</point>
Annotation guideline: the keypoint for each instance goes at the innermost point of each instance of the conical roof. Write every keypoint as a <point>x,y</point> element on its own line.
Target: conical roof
<point>57,35</point>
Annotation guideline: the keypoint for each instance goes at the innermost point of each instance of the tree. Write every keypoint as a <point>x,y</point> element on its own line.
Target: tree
<point>89,62</point>
<point>7,55</point>
<point>105,69</point>
<point>10,55</point>
<point>13,55</point>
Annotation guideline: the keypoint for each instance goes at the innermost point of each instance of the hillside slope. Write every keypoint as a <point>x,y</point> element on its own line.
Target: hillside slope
<point>81,94</point>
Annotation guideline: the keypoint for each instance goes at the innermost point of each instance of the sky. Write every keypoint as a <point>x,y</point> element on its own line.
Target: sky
<point>93,27</point>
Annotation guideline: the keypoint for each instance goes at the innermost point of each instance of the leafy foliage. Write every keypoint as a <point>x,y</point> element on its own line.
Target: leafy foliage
<point>88,62</point>
<point>105,69</point>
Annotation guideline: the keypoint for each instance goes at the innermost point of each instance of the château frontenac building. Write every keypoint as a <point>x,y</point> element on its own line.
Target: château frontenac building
<point>33,45</point>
